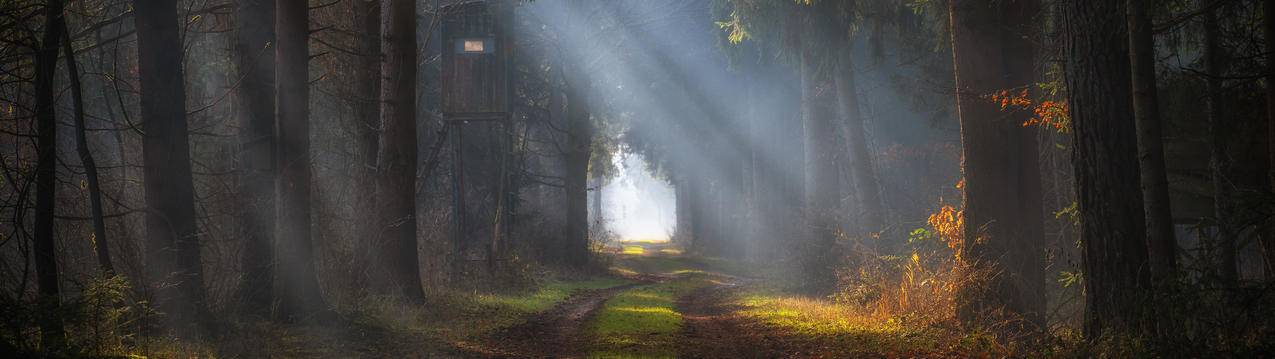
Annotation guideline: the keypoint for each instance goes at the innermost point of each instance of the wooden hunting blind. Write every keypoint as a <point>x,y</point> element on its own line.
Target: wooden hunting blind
<point>476,55</point>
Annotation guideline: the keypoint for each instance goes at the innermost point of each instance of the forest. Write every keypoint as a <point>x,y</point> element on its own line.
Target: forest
<point>637,178</point>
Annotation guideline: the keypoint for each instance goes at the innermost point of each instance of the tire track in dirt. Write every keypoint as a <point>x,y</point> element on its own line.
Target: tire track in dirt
<point>712,326</point>
<point>556,333</point>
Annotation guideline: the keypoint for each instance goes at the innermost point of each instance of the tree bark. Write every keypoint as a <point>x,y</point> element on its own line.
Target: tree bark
<point>579,143</point>
<point>867,191</point>
<point>1113,225</point>
<point>1268,32</point>
<point>1003,212</point>
<point>255,62</point>
<point>367,120</point>
<point>1161,242</point>
<point>1220,160</point>
<point>46,264</point>
<point>172,244</point>
<point>396,183</point>
<point>100,245</point>
<point>298,284</point>
<point>596,203</point>
<point>818,125</point>
<point>682,211</point>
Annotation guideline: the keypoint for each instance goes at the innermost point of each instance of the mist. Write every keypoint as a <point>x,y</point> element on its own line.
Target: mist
<point>654,178</point>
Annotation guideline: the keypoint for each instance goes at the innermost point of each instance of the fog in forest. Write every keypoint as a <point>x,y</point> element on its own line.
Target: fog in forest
<point>635,205</point>
<point>644,178</point>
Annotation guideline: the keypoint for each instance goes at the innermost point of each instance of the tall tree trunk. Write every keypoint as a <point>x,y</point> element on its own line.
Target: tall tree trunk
<point>867,191</point>
<point>751,216</point>
<point>298,284</point>
<point>100,244</point>
<point>255,62</point>
<point>553,167</point>
<point>818,125</point>
<point>1220,157</point>
<point>697,192</point>
<point>1268,33</point>
<point>1161,243</point>
<point>172,244</point>
<point>396,183</point>
<point>1003,212</point>
<point>579,143</point>
<point>367,119</point>
<point>1113,226</point>
<point>46,264</point>
<point>682,211</point>
<point>596,203</point>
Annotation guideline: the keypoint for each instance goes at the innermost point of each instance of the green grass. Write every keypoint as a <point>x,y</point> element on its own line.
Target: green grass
<point>812,316</point>
<point>642,322</point>
<point>855,331</point>
<point>394,328</point>
<point>548,295</point>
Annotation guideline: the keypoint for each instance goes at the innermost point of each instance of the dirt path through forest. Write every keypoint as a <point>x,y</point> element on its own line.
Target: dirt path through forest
<point>556,333</point>
<point>712,326</point>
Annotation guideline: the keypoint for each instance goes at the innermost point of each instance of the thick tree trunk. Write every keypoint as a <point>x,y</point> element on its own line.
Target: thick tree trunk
<point>821,195</point>
<point>396,182</point>
<point>1268,32</point>
<point>579,143</point>
<point>172,244</point>
<point>100,245</point>
<point>1113,227</point>
<point>1220,160</point>
<point>46,264</point>
<point>1003,213</point>
<point>255,62</point>
<point>1161,243</point>
<point>367,120</point>
<point>298,284</point>
<point>852,128</point>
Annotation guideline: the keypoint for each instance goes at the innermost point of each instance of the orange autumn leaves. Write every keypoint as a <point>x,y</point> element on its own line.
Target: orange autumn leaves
<point>948,223</point>
<point>1044,112</point>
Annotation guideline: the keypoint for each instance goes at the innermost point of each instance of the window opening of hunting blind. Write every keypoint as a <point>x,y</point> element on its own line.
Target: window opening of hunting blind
<point>475,45</point>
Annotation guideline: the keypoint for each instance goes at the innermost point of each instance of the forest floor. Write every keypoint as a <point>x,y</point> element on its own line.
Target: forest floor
<point>654,302</point>
<point>682,306</point>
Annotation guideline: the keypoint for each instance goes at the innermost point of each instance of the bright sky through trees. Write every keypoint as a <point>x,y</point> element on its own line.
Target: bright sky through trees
<point>635,205</point>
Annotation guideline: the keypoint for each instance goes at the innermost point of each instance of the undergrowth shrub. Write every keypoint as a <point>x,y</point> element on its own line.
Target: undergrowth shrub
<point>102,318</point>
<point>918,286</point>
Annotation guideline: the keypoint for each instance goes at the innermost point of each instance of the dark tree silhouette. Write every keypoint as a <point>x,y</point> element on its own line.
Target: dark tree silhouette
<point>992,51</point>
<point>298,283</point>
<point>174,264</point>
<point>255,62</point>
<point>46,262</point>
<point>1104,156</point>
<point>396,182</point>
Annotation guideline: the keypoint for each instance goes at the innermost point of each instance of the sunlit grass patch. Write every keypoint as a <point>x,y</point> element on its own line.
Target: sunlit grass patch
<point>813,316</point>
<point>633,250</point>
<point>642,322</point>
<point>849,328</point>
<point>548,295</point>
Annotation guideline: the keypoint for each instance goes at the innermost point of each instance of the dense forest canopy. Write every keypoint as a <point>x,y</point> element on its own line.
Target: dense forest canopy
<point>655,178</point>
